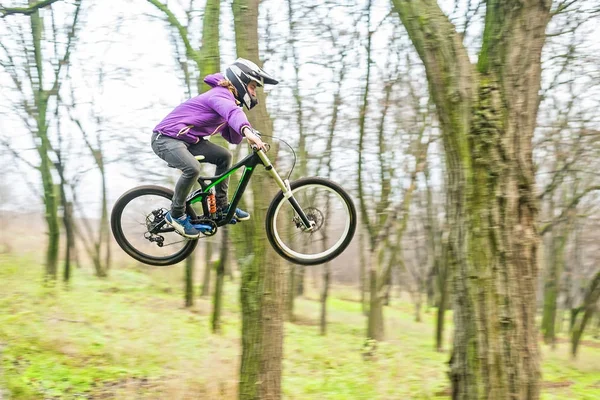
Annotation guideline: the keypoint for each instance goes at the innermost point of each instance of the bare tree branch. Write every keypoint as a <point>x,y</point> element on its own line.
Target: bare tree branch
<point>183,32</point>
<point>16,154</point>
<point>563,6</point>
<point>574,202</point>
<point>67,54</point>
<point>6,11</point>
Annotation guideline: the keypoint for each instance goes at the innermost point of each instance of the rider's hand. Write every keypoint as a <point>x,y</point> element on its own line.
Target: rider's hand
<point>254,139</point>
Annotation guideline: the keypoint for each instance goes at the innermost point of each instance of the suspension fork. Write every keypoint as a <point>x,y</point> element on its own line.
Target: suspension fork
<point>284,185</point>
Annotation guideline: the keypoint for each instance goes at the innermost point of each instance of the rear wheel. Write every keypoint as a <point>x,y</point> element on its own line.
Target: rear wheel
<point>331,212</point>
<point>138,225</point>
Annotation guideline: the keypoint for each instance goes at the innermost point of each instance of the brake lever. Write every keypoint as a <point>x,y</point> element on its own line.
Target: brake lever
<point>255,147</point>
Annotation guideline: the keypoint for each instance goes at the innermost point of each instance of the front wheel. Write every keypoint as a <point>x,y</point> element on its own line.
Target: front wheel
<point>331,212</point>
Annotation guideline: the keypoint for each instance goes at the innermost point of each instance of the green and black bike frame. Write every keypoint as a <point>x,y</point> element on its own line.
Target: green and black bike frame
<point>249,164</point>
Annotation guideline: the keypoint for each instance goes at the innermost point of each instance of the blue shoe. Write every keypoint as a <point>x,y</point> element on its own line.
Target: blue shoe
<point>239,215</point>
<point>183,226</point>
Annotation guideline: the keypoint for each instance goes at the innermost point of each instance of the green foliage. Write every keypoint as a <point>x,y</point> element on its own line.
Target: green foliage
<point>130,338</point>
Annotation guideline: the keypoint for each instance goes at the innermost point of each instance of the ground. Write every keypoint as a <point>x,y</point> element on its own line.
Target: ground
<point>128,337</point>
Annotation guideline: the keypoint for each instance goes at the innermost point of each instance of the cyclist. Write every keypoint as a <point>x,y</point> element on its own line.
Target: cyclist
<point>183,134</point>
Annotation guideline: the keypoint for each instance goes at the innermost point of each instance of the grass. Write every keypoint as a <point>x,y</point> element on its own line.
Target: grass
<point>129,337</point>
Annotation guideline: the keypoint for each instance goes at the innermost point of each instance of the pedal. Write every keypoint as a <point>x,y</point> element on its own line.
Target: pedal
<point>203,228</point>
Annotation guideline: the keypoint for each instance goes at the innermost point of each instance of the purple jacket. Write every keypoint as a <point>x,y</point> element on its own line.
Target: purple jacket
<point>213,112</point>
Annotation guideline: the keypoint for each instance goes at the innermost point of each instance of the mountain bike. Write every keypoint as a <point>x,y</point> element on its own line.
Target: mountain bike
<point>309,221</point>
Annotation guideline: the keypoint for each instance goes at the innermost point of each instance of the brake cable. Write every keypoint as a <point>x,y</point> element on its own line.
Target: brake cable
<point>291,148</point>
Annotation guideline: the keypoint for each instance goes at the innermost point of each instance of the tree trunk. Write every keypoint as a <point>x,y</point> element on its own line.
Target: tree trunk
<point>297,284</point>
<point>210,54</point>
<point>291,292</point>
<point>597,333</point>
<point>208,62</point>
<point>36,98</point>
<point>375,325</point>
<point>554,270</point>
<point>190,265</point>
<point>364,215</point>
<point>263,280</point>
<point>439,326</point>
<point>434,251</point>
<point>324,296</point>
<point>418,305</point>
<point>41,98</point>
<point>442,284</point>
<point>67,207</point>
<point>189,280</point>
<point>362,273</point>
<point>430,288</point>
<point>220,267</point>
<point>70,245</point>
<point>337,99</point>
<point>105,236</point>
<point>300,280</point>
<point>487,116</point>
<point>589,308</point>
<point>205,292</point>
<point>97,246</point>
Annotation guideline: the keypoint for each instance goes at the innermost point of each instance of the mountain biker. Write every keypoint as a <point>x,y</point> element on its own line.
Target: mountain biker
<point>183,134</point>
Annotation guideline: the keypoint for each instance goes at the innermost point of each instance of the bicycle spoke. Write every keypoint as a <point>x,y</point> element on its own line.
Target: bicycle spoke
<point>142,213</point>
<point>328,212</point>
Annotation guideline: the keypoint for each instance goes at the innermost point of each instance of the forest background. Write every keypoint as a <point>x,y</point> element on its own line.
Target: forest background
<point>467,133</point>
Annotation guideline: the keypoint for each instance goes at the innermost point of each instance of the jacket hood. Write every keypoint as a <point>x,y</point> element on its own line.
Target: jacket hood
<point>213,79</point>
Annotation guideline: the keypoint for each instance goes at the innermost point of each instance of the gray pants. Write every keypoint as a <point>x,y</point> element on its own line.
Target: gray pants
<point>179,154</point>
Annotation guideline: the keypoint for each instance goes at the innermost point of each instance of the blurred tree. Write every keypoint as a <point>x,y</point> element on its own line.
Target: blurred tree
<point>589,307</point>
<point>96,245</point>
<point>423,241</point>
<point>438,284</point>
<point>487,115</point>
<point>37,98</point>
<point>372,207</point>
<point>219,267</point>
<point>263,280</point>
<point>418,266</point>
<point>205,287</point>
<point>559,231</point>
<point>391,233</point>
<point>566,152</point>
<point>384,219</point>
<point>296,273</point>
<point>443,271</point>
<point>325,163</point>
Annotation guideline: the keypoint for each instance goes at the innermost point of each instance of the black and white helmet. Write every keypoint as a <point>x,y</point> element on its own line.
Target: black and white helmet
<point>241,73</point>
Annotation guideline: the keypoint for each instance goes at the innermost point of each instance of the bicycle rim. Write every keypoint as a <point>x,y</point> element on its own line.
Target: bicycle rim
<point>145,233</point>
<point>332,217</point>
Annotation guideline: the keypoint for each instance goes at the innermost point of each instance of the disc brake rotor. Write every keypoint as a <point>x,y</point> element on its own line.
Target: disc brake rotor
<point>154,218</point>
<point>314,215</point>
